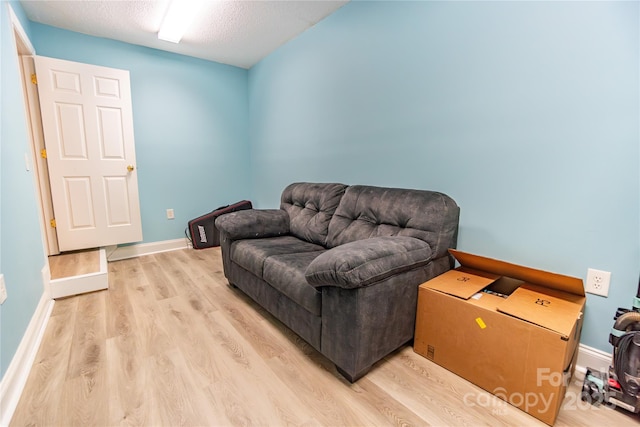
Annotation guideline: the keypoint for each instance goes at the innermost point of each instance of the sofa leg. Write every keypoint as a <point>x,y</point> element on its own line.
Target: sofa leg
<point>353,378</point>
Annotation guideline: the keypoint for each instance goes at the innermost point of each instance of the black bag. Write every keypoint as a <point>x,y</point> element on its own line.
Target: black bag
<point>202,230</point>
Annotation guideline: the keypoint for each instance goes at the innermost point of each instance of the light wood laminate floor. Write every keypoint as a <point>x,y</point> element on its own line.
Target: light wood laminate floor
<point>74,263</point>
<point>170,343</point>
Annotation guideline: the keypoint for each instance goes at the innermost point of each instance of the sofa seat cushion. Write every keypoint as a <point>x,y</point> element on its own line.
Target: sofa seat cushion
<point>286,274</point>
<point>364,262</point>
<point>250,254</point>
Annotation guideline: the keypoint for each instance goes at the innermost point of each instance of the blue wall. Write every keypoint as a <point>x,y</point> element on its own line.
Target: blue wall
<point>21,250</point>
<point>190,124</point>
<point>527,113</point>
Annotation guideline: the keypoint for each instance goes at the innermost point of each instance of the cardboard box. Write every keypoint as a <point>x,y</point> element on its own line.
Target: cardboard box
<point>511,330</point>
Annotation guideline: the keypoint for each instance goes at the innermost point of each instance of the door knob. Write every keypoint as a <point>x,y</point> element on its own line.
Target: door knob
<point>130,168</point>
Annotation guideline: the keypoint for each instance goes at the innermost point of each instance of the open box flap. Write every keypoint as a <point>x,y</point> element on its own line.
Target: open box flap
<point>551,309</point>
<point>460,283</point>
<point>569,284</point>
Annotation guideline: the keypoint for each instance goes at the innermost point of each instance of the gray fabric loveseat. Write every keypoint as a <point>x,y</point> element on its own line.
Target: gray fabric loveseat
<point>341,265</point>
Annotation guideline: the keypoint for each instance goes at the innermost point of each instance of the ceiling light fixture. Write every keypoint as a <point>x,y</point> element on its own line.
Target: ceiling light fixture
<point>179,16</point>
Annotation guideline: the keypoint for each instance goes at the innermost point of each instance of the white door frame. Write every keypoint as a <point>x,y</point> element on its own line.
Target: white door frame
<point>40,163</point>
<point>26,51</point>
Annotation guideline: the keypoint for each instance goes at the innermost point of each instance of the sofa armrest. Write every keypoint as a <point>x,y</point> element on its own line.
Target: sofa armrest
<point>364,262</point>
<point>253,224</point>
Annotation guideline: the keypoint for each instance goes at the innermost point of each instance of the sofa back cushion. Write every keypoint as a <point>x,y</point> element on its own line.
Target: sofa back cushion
<point>310,207</point>
<point>366,211</point>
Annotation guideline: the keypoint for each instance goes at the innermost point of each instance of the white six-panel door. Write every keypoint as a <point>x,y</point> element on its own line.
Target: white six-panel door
<point>88,130</point>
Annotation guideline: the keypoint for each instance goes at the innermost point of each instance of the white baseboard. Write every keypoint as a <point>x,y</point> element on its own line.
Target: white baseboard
<point>132,251</point>
<point>589,357</point>
<point>17,373</point>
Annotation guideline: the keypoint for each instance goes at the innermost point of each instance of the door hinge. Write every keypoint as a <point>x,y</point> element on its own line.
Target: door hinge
<point>34,79</point>
<point>43,153</point>
<point>53,223</point>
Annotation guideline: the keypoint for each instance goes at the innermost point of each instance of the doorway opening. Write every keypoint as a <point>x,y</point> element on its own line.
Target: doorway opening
<point>69,274</point>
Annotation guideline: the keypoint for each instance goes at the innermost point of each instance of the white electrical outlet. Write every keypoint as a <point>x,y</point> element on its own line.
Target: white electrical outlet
<point>3,290</point>
<point>598,282</point>
<point>170,214</point>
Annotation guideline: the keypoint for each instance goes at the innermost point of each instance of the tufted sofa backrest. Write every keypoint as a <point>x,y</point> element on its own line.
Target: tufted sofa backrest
<point>366,212</point>
<point>310,207</point>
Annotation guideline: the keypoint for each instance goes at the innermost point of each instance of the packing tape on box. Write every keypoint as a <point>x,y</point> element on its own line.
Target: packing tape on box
<point>480,323</point>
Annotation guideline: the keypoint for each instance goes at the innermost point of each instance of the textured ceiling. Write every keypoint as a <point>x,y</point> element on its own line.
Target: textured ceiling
<point>235,32</point>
